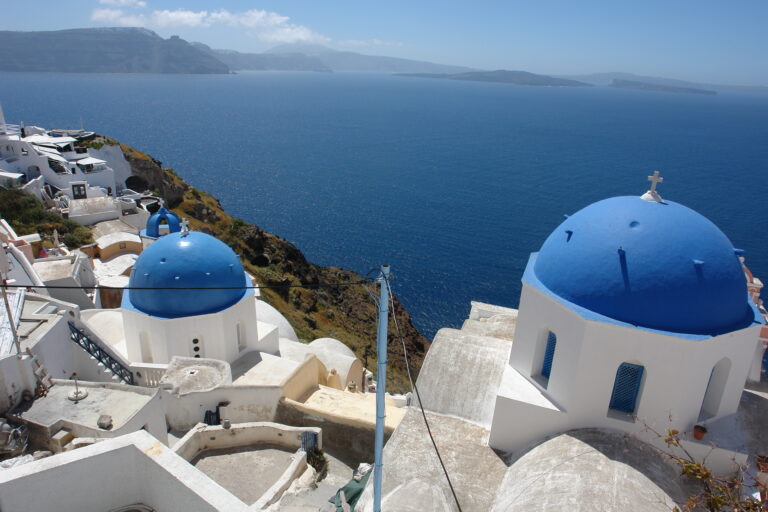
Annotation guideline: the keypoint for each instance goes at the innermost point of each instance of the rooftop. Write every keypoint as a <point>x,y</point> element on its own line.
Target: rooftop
<point>120,402</point>
<point>247,472</point>
<point>53,269</point>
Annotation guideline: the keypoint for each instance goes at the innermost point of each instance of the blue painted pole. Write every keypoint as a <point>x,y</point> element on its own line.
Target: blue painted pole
<point>381,382</point>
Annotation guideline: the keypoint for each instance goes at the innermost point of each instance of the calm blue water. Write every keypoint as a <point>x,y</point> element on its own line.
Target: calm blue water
<point>452,183</point>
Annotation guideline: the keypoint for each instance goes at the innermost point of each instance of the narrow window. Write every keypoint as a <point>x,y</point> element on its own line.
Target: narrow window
<point>718,379</point>
<point>240,337</point>
<point>146,348</point>
<point>549,355</point>
<point>626,388</point>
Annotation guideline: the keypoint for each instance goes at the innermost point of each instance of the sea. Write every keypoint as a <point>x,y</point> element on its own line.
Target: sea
<point>451,183</point>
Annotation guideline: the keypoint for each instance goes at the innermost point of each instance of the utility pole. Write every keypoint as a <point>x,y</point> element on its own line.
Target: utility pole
<point>5,268</point>
<point>381,382</point>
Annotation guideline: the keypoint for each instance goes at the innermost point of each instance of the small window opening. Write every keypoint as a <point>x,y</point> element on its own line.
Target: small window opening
<point>626,388</point>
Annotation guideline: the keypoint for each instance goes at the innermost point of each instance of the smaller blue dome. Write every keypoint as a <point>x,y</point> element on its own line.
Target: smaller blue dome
<point>192,260</point>
<point>656,265</point>
<point>153,223</point>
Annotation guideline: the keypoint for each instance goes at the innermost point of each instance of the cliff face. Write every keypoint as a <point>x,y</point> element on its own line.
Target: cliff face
<point>346,313</point>
<point>103,50</point>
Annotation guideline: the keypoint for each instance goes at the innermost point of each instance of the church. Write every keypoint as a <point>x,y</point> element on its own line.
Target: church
<point>634,318</point>
<point>634,312</point>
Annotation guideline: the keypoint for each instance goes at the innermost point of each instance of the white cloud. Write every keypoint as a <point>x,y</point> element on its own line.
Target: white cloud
<point>179,18</point>
<point>369,42</point>
<point>117,17</point>
<point>291,34</point>
<point>265,25</point>
<point>124,3</point>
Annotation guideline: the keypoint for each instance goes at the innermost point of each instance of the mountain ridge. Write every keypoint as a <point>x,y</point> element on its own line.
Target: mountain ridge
<point>103,50</point>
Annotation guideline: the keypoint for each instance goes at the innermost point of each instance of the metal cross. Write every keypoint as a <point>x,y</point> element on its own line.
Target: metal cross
<point>655,180</point>
<point>184,227</point>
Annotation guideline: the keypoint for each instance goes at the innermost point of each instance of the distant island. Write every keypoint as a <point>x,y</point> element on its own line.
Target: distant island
<point>138,50</point>
<point>505,77</point>
<point>103,50</point>
<point>645,86</point>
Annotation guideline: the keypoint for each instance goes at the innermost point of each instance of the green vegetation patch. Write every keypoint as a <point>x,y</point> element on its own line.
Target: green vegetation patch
<point>27,215</point>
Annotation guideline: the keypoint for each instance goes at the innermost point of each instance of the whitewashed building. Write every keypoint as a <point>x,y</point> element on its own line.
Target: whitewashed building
<point>634,312</point>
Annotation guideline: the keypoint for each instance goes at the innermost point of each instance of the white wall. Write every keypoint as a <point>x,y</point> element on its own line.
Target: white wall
<point>246,403</point>
<point>119,472</point>
<point>217,334</point>
<point>587,356</point>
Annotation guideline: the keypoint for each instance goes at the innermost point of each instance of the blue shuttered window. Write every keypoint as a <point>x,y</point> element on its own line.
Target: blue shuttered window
<point>626,387</point>
<point>549,355</point>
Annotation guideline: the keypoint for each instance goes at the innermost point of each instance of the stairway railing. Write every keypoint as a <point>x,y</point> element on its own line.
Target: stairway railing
<point>109,362</point>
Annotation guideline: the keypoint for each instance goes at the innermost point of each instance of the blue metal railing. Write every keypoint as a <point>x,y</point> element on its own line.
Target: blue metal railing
<point>100,355</point>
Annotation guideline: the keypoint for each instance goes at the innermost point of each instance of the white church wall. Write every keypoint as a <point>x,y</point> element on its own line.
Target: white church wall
<point>216,334</point>
<point>541,315</point>
<point>588,354</point>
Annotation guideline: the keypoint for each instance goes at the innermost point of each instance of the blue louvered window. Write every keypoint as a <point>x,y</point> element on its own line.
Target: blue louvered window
<point>626,388</point>
<point>549,355</point>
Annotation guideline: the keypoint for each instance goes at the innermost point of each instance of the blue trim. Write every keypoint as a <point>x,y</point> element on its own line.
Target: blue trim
<point>549,355</point>
<point>626,388</point>
<point>530,279</point>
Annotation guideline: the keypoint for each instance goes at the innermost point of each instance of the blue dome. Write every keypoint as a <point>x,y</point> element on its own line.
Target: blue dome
<point>194,260</point>
<point>656,265</point>
<point>153,223</point>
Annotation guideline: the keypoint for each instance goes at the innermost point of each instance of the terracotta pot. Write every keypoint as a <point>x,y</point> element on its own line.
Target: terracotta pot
<point>699,431</point>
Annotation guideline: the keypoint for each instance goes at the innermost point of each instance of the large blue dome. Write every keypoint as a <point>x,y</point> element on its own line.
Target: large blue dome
<point>656,265</point>
<point>192,260</point>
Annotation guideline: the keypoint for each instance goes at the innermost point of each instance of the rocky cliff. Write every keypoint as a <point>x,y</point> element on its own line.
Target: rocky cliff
<point>346,313</point>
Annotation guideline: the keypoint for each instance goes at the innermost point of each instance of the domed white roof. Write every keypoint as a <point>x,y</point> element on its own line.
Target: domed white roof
<point>268,314</point>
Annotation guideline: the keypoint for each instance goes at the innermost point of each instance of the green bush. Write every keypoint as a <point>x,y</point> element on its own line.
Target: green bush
<point>27,215</point>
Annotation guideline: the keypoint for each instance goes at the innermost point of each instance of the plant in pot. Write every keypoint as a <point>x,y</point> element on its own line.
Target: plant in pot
<point>699,431</point>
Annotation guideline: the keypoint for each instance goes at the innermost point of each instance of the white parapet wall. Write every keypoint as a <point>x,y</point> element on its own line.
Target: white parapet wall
<point>204,437</point>
<point>129,470</point>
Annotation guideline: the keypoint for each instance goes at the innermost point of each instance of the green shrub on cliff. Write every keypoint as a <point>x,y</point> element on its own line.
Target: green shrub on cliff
<point>27,215</point>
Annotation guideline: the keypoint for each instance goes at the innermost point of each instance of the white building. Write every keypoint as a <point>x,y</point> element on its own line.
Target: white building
<point>216,317</point>
<point>55,158</point>
<point>635,311</point>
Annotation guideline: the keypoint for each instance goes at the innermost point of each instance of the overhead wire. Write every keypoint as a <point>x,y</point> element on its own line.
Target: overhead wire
<point>245,287</point>
<point>415,389</point>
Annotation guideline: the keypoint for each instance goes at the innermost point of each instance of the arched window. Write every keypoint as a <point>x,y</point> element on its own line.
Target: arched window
<point>549,355</point>
<point>713,395</point>
<point>626,388</point>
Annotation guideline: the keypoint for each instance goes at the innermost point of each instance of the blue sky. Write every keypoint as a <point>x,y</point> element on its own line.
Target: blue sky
<point>715,41</point>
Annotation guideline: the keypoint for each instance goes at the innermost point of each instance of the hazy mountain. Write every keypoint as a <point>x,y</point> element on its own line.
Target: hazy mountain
<point>645,86</point>
<point>103,50</point>
<point>608,78</point>
<point>265,61</point>
<point>504,76</point>
<point>352,61</point>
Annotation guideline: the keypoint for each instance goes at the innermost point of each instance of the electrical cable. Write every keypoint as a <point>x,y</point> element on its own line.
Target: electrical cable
<point>253,287</point>
<point>418,396</point>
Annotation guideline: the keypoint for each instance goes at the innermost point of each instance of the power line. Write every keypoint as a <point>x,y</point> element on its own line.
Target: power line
<point>182,288</point>
<point>418,396</point>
